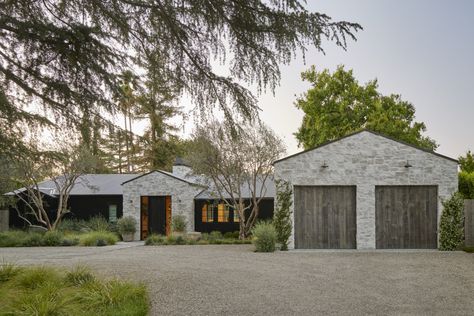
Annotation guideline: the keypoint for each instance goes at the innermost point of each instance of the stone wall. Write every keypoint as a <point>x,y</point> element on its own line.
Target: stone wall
<point>366,159</point>
<point>159,184</point>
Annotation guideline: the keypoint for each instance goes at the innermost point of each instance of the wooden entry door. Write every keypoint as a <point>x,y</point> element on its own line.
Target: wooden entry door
<point>325,217</point>
<point>155,215</point>
<point>406,217</point>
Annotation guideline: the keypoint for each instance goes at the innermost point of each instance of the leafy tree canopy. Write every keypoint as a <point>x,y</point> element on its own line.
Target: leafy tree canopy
<point>337,105</point>
<point>65,57</point>
<point>467,162</point>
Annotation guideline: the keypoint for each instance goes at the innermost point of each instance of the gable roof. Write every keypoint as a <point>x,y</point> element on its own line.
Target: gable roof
<point>372,132</point>
<point>166,173</point>
<point>87,184</point>
<point>268,187</point>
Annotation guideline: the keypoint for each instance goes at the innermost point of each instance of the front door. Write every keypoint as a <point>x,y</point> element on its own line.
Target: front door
<point>155,215</point>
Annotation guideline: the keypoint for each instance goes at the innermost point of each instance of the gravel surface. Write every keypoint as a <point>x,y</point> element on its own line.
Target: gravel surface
<point>233,280</point>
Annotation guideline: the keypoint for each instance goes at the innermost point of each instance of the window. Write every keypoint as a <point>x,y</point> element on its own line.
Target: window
<point>208,213</point>
<point>223,213</point>
<point>236,216</point>
<point>112,213</point>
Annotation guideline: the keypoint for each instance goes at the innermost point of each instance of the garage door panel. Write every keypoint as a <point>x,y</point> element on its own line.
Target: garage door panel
<point>406,217</point>
<point>325,217</point>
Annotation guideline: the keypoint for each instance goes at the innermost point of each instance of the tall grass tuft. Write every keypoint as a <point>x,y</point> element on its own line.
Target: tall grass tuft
<point>96,237</point>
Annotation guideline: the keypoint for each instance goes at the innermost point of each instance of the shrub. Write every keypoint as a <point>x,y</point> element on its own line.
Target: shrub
<point>79,276</point>
<point>97,223</point>
<point>73,225</point>
<point>12,238</point>
<point>180,240</point>
<point>52,238</point>
<point>170,240</point>
<point>127,225</point>
<point>466,184</point>
<point>70,241</point>
<point>179,223</point>
<point>203,242</point>
<point>154,239</point>
<point>451,230</point>
<point>282,216</point>
<point>264,237</point>
<point>214,235</point>
<point>229,235</point>
<point>32,240</point>
<point>92,238</point>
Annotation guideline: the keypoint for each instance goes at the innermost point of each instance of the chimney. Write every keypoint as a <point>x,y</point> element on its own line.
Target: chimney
<point>180,168</point>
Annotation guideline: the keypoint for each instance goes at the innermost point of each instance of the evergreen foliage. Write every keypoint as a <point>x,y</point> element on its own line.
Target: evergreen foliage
<point>451,227</point>
<point>282,217</point>
<point>67,57</point>
<point>466,184</point>
<point>467,162</point>
<point>264,237</point>
<point>337,105</point>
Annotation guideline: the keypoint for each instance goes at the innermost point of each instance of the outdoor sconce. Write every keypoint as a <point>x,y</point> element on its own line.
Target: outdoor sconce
<point>324,165</point>
<point>407,165</point>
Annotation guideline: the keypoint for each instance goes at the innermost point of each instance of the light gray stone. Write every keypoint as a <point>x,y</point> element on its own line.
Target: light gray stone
<point>160,184</point>
<point>366,160</point>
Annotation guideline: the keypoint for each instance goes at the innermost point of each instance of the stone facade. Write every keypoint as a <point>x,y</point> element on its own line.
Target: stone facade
<point>365,160</point>
<point>159,183</point>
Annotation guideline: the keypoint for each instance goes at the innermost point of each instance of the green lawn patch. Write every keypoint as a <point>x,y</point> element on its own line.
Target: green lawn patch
<point>47,291</point>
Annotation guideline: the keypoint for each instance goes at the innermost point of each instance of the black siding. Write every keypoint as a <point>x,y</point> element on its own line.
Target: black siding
<point>265,213</point>
<point>81,206</point>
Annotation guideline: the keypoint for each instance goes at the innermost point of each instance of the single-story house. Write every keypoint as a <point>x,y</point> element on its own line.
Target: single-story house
<point>367,191</point>
<point>152,199</point>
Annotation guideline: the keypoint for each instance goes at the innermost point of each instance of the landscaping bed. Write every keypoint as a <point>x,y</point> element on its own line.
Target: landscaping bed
<point>47,291</point>
<point>95,232</point>
<point>213,238</point>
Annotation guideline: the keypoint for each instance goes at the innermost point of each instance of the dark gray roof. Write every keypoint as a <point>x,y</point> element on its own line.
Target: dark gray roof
<point>372,132</point>
<point>88,184</point>
<point>269,191</point>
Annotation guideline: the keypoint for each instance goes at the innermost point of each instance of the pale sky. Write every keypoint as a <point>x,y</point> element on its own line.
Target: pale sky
<point>423,50</point>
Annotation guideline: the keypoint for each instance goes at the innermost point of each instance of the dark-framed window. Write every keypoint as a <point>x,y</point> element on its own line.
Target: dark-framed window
<point>208,211</point>
<point>223,213</point>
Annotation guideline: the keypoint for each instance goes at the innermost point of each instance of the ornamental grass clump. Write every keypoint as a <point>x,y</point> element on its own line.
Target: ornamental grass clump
<point>98,238</point>
<point>264,237</point>
<point>179,223</point>
<point>451,227</point>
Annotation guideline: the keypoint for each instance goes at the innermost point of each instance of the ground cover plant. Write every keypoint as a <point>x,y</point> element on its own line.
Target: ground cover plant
<point>47,291</point>
<point>264,237</point>
<point>213,238</point>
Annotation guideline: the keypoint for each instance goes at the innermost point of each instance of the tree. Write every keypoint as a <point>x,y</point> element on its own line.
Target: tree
<point>337,105</point>
<point>63,169</point>
<point>467,162</point>
<point>63,58</point>
<point>236,159</point>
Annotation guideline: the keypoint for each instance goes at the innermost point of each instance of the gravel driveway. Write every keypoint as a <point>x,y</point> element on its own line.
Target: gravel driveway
<point>232,280</point>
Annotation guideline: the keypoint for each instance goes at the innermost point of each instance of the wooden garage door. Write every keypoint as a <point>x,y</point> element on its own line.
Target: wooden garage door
<point>325,217</point>
<point>406,217</point>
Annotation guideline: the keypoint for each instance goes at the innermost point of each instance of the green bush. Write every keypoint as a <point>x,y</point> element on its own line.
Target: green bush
<point>32,240</point>
<point>264,237</point>
<point>127,225</point>
<point>282,216</point>
<point>451,230</point>
<point>70,241</point>
<point>52,238</point>
<point>229,235</point>
<point>154,240</point>
<point>214,235</point>
<point>97,223</point>
<point>179,223</point>
<point>92,238</point>
<point>69,225</point>
<point>180,240</point>
<point>170,240</point>
<point>466,184</point>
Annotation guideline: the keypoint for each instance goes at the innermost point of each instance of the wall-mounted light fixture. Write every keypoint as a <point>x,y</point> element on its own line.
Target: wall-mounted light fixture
<point>324,165</point>
<point>407,165</point>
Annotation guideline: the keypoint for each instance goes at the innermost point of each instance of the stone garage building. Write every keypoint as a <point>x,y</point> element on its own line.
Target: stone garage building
<point>367,191</point>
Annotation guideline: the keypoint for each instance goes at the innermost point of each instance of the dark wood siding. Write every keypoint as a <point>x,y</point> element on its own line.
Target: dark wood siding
<point>325,217</point>
<point>406,217</point>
